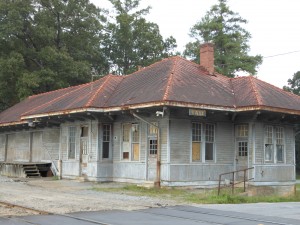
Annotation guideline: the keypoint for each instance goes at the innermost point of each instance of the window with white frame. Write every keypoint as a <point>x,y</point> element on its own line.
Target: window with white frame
<point>152,138</point>
<point>209,141</point>
<point>106,129</point>
<point>242,139</point>
<point>243,148</point>
<point>242,130</point>
<point>203,142</point>
<point>72,142</point>
<point>196,141</point>
<point>279,144</point>
<point>274,144</point>
<point>131,142</point>
<point>269,145</point>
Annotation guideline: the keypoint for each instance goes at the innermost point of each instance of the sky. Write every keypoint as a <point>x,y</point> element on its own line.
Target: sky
<point>273,24</point>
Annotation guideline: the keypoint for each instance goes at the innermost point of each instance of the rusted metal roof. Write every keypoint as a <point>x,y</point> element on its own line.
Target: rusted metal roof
<point>173,81</point>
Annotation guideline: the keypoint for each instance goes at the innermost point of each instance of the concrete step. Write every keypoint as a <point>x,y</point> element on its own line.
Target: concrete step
<point>31,171</point>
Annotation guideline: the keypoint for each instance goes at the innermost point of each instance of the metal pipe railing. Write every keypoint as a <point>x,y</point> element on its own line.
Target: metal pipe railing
<point>233,183</point>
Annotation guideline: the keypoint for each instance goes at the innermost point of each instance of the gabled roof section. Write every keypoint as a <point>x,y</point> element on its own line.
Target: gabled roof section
<point>144,86</point>
<point>252,92</point>
<point>271,96</point>
<point>93,94</point>
<point>173,81</point>
<point>191,83</point>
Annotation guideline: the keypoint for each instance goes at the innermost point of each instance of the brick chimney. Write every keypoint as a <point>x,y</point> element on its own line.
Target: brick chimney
<point>207,57</point>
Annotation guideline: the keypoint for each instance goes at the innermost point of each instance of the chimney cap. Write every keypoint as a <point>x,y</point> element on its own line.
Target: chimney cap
<point>209,44</point>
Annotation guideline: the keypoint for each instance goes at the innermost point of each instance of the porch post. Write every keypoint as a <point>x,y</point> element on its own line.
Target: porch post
<point>5,148</point>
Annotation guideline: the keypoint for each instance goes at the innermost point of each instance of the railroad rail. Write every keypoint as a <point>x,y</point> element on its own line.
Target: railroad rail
<point>202,216</point>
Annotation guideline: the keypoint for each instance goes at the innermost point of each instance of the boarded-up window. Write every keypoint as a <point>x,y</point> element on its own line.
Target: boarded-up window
<point>135,141</point>
<point>131,141</point>
<point>203,139</point>
<point>196,141</point>
<point>209,141</point>
<point>72,142</point>
<point>126,142</point>
<point>106,128</point>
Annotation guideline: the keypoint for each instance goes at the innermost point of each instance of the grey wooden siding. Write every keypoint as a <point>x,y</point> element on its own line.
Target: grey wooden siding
<point>93,147</point>
<point>163,124</point>
<point>51,139</point>
<point>259,143</point>
<point>128,170</point>
<point>104,171</point>
<point>180,141</point>
<point>64,142</point>
<point>143,141</point>
<point>2,146</point>
<point>117,139</point>
<point>197,172</point>
<point>70,168</point>
<point>290,145</point>
<point>22,147</point>
<point>224,138</point>
<point>274,173</point>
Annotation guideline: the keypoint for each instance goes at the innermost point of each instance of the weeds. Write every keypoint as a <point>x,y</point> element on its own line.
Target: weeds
<point>200,196</point>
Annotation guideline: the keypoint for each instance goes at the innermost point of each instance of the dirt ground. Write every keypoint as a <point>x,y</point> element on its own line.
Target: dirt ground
<point>65,196</point>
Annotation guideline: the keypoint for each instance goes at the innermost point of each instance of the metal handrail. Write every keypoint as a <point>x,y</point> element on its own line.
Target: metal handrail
<point>53,166</point>
<point>233,183</point>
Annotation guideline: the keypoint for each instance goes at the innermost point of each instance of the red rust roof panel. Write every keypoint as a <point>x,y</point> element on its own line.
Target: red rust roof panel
<point>244,92</point>
<point>174,79</point>
<point>191,84</point>
<point>145,85</point>
<point>275,97</point>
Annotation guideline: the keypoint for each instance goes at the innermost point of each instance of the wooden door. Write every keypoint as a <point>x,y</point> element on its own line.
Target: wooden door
<point>84,137</point>
<point>37,150</point>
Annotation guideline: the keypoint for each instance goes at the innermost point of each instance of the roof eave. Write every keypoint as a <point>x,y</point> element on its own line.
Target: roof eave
<point>24,119</point>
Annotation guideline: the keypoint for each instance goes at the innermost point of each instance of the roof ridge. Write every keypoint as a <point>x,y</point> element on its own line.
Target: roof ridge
<point>55,99</point>
<point>280,89</point>
<point>98,91</point>
<point>233,92</point>
<point>258,99</point>
<point>122,78</point>
<point>164,59</point>
<point>44,93</point>
<point>170,79</point>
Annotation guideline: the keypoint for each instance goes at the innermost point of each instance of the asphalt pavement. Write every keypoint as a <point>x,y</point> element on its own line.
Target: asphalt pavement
<point>245,214</point>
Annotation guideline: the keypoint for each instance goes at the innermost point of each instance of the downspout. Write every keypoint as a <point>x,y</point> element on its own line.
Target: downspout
<point>60,158</point>
<point>157,180</point>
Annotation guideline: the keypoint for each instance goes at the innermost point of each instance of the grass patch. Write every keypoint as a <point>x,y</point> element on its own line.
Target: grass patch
<point>200,196</point>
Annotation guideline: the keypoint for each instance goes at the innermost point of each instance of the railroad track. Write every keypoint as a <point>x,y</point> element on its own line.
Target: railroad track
<point>42,212</point>
<point>195,215</point>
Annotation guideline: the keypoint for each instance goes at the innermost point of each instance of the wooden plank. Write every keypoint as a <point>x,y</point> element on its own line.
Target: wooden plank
<point>196,151</point>
<point>136,151</point>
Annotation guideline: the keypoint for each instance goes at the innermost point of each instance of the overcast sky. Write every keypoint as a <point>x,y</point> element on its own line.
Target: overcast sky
<point>273,24</point>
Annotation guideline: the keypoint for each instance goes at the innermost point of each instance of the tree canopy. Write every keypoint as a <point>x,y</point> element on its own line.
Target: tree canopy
<point>51,44</point>
<point>224,28</point>
<point>46,45</point>
<point>293,84</point>
<point>132,40</point>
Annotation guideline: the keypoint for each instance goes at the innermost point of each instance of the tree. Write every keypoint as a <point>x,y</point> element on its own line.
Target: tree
<point>48,44</point>
<point>133,41</point>
<point>294,84</point>
<point>223,27</point>
<point>294,87</point>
